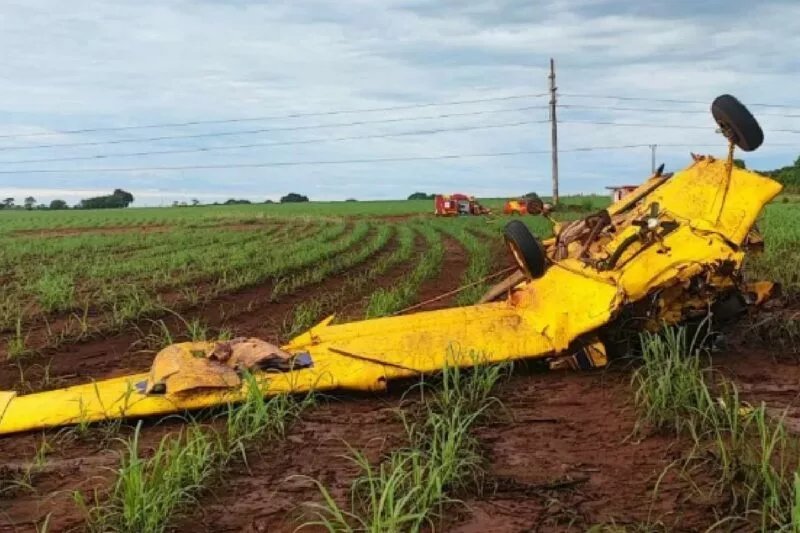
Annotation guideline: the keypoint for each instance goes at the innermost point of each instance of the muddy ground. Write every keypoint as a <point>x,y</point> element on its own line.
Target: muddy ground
<point>561,457</point>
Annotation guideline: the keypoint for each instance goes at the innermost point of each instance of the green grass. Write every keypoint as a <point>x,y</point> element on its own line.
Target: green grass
<point>780,224</point>
<point>481,261</point>
<point>669,387</point>
<point>92,282</point>
<point>135,216</point>
<point>150,491</point>
<point>411,487</point>
<point>258,417</point>
<point>388,300</point>
<point>748,449</point>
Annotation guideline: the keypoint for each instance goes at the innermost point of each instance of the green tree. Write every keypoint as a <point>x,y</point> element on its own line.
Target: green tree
<point>124,196</point>
<point>739,163</point>
<point>421,196</point>
<point>293,197</point>
<point>58,204</point>
<point>195,202</point>
<point>30,201</point>
<point>119,198</point>
<point>8,203</point>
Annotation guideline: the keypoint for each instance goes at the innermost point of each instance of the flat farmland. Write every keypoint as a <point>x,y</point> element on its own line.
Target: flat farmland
<point>87,295</point>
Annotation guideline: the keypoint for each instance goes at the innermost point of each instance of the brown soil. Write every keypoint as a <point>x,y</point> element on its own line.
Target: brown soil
<point>561,456</point>
<point>454,263</point>
<point>354,309</point>
<point>569,461</point>
<point>65,232</point>
<point>143,228</point>
<point>391,218</point>
<point>40,326</point>
<point>248,312</point>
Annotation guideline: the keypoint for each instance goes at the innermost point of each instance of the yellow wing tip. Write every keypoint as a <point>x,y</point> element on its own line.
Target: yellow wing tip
<point>307,337</point>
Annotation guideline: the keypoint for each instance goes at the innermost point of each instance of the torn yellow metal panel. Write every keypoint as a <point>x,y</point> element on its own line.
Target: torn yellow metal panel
<point>689,255</point>
<point>696,193</point>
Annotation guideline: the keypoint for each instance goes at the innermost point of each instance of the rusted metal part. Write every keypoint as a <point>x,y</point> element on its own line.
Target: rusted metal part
<point>598,222</point>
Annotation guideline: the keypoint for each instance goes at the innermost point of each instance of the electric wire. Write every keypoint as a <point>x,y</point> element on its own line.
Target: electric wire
<point>273,117</point>
<point>268,130</point>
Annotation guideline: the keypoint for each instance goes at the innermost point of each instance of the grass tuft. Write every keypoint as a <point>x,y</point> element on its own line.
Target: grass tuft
<point>748,448</point>
<point>410,489</point>
<point>148,491</point>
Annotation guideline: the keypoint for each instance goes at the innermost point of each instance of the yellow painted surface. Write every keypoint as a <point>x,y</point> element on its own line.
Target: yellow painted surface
<point>540,319</point>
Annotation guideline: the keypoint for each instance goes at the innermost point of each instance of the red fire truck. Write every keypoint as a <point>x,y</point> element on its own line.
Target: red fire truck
<point>457,204</point>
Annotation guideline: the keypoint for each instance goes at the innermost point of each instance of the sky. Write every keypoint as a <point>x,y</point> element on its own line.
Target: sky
<point>368,99</point>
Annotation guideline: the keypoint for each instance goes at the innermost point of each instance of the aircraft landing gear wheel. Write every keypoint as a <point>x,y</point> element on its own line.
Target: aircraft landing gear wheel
<point>526,249</point>
<point>737,123</point>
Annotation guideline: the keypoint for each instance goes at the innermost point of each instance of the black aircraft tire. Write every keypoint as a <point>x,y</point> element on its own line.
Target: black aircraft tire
<point>734,118</point>
<point>526,249</point>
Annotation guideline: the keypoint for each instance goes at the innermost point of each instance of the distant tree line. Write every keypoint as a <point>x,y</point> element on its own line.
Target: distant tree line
<point>118,199</point>
<point>789,176</point>
<point>121,199</point>
<point>115,200</point>
<point>292,197</point>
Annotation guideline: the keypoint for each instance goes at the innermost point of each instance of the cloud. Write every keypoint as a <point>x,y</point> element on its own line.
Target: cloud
<point>111,63</point>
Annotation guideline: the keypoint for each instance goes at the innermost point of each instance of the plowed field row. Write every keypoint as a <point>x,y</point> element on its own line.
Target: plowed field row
<point>382,258</point>
<point>559,452</point>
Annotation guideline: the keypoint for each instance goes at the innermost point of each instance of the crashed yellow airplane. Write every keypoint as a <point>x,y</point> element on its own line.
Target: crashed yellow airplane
<point>670,251</point>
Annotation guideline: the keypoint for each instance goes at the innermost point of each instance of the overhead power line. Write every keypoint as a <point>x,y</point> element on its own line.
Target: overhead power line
<point>670,100</point>
<point>658,125</point>
<point>274,117</point>
<point>269,130</point>
<point>269,144</point>
<point>662,110</point>
<point>349,161</point>
<point>314,163</point>
<point>432,131</point>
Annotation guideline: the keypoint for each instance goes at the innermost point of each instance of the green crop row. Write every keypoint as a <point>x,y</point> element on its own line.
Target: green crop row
<point>385,301</point>
<point>306,313</point>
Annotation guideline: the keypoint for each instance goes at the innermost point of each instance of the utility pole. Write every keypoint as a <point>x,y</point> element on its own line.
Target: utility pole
<point>554,129</point>
<point>653,158</point>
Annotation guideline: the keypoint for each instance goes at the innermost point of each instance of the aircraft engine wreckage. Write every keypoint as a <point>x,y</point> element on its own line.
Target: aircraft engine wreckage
<point>671,251</point>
